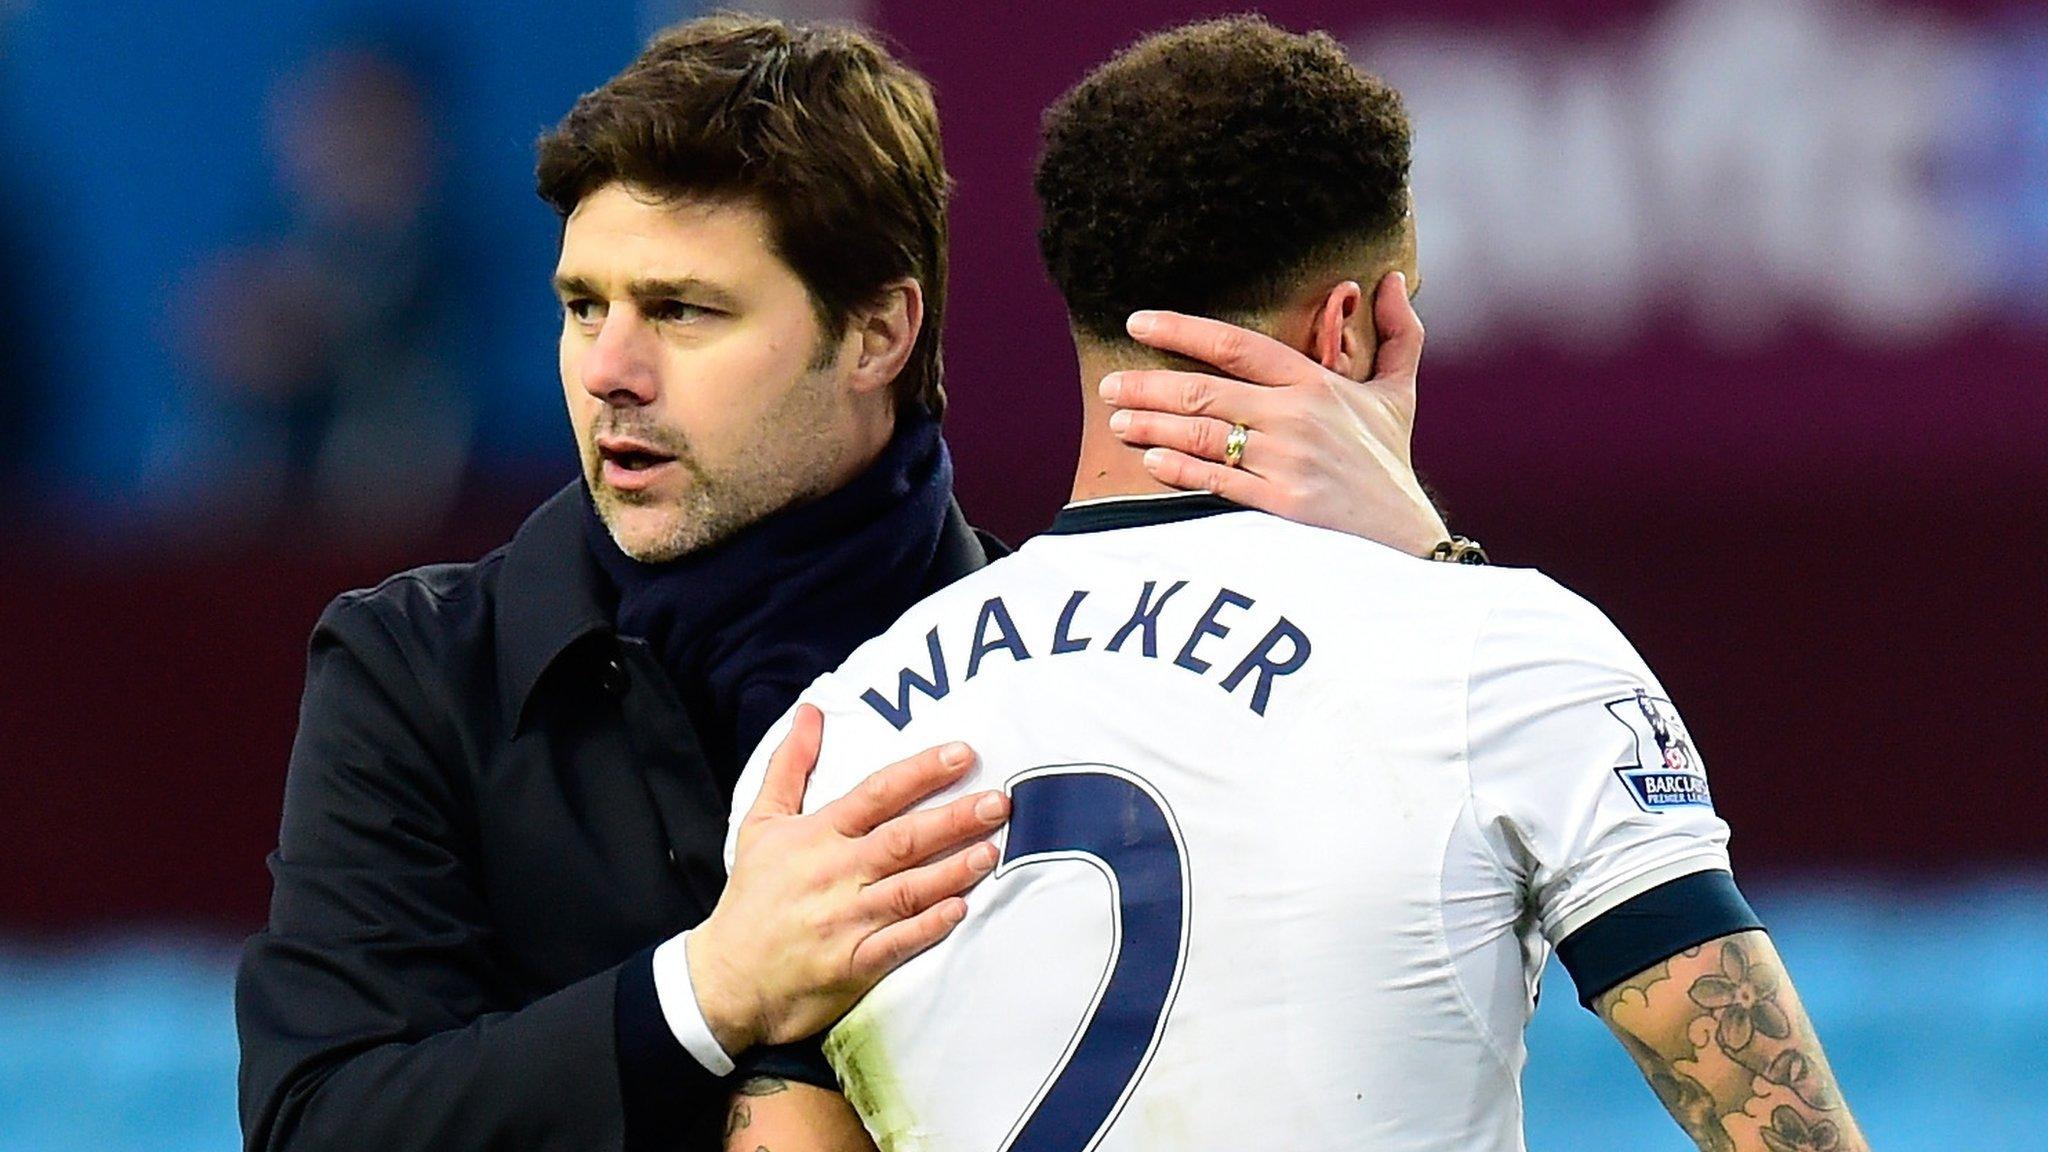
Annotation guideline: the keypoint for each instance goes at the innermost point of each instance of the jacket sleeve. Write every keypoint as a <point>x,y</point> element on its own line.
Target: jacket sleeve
<point>370,1009</point>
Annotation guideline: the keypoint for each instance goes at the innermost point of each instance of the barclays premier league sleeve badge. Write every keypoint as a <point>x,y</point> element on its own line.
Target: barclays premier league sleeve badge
<point>1666,772</point>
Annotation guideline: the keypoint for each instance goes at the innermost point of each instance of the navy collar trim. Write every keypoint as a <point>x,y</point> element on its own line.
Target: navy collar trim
<point>1137,512</point>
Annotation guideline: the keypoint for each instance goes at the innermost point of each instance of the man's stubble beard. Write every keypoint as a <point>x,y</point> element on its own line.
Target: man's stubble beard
<point>719,504</point>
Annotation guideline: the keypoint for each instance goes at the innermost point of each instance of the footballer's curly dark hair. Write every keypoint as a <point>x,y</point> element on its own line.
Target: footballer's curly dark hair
<point>1208,168</point>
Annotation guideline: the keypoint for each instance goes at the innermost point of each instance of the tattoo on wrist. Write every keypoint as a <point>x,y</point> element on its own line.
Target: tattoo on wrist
<point>762,1086</point>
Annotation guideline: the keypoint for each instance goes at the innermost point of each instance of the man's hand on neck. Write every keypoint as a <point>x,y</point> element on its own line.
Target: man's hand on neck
<point>1322,449</point>
<point>1107,465</point>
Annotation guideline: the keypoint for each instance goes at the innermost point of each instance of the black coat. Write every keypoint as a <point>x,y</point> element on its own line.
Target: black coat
<point>495,806</point>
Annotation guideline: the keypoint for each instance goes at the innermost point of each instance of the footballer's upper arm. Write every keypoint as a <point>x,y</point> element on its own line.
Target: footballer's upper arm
<point>1720,1035</point>
<point>1583,776</point>
<point>769,1114</point>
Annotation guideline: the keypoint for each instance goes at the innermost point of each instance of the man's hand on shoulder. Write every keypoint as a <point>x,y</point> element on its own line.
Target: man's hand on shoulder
<point>1318,448</point>
<point>821,906</point>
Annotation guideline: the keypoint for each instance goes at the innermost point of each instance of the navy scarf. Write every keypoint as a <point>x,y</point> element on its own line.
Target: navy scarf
<point>747,624</point>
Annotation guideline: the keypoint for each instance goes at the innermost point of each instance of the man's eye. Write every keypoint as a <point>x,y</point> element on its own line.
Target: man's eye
<point>677,310</point>
<point>582,310</point>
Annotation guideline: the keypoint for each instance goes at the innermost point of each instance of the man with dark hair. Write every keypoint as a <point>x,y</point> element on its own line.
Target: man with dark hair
<point>1226,231</point>
<point>1345,802</point>
<point>501,918</point>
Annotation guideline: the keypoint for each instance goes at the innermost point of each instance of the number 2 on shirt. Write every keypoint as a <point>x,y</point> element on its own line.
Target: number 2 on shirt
<point>1112,819</point>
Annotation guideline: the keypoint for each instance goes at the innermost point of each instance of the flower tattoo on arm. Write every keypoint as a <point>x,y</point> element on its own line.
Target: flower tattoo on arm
<point>1719,1033</point>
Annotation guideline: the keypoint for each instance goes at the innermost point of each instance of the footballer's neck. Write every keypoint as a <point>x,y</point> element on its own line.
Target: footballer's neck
<point>1109,467</point>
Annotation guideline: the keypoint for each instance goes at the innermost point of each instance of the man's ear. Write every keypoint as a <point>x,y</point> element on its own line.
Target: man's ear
<point>1344,336</point>
<point>886,331</point>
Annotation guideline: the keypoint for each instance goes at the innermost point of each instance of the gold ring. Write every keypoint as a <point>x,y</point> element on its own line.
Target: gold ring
<point>1233,445</point>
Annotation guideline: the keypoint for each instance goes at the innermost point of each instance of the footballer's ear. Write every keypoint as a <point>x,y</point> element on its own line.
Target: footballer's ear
<point>885,331</point>
<point>1344,339</point>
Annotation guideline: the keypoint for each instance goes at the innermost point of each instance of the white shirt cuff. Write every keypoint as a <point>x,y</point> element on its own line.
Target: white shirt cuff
<point>679,1006</point>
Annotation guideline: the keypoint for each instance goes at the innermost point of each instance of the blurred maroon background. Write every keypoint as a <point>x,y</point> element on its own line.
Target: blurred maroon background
<point>1808,482</point>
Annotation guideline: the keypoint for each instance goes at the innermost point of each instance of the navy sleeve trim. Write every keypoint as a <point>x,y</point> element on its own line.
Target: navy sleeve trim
<point>662,1088</point>
<point>1654,927</point>
<point>803,1062</point>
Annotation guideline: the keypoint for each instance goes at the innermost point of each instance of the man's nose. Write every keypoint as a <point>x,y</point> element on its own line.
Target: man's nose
<point>618,367</point>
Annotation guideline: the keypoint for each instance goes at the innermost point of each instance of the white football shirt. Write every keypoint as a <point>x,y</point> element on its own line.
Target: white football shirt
<point>1297,820</point>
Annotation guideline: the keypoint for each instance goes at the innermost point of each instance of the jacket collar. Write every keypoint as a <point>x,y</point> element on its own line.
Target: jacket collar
<point>552,594</point>
<point>961,550</point>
